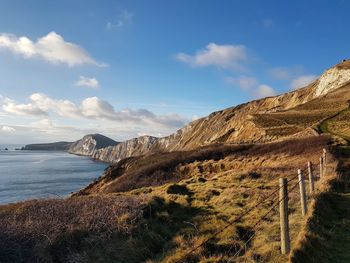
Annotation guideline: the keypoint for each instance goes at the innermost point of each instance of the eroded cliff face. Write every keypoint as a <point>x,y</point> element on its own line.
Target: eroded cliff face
<point>333,79</point>
<point>133,147</point>
<point>253,122</point>
<point>89,144</point>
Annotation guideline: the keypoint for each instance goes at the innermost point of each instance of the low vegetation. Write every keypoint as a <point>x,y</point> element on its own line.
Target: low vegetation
<point>326,237</point>
<point>162,220</point>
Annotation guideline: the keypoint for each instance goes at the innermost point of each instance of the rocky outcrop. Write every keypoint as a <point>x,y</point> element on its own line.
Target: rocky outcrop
<point>56,146</point>
<point>91,143</point>
<point>333,78</point>
<point>134,147</point>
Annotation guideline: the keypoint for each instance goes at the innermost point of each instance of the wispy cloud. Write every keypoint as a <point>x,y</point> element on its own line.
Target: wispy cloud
<point>252,86</point>
<point>243,82</point>
<point>8,129</point>
<point>296,76</point>
<point>302,81</point>
<point>90,108</point>
<point>87,82</point>
<point>51,48</point>
<point>124,18</point>
<point>281,73</point>
<point>222,56</point>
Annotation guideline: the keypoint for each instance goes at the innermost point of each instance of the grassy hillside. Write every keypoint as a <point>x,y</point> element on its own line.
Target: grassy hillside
<point>186,198</point>
<point>326,238</point>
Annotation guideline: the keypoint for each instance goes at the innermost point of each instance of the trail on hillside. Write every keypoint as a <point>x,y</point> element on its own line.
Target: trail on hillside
<point>337,124</point>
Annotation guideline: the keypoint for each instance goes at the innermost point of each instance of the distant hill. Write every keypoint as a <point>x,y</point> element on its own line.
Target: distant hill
<point>56,146</point>
<point>85,146</point>
<point>91,143</point>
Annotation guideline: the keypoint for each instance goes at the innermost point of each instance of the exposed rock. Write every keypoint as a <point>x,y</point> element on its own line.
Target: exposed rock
<point>133,147</point>
<point>240,124</point>
<point>332,79</point>
<point>91,143</point>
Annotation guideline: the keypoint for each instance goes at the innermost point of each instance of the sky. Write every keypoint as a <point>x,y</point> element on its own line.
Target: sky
<point>132,68</point>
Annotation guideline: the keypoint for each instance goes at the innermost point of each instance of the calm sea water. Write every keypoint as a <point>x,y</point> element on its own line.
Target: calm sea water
<point>40,174</point>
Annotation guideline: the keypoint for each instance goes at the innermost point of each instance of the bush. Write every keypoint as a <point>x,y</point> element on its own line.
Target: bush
<point>179,190</point>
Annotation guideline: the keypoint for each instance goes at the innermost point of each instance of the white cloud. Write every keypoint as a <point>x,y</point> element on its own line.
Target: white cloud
<point>87,82</point>
<point>52,48</point>
<point>43,123</point>
<point>245,83</point>
<point>252,86</point>
<point>11,107</point>
<point>222,56</point>
<point>123,19</point>
<point>8,129</point>
<point>265,91</point>
<point>94,107</point>
<point>91,108</point>
<point>64,108</point>
<point>280,73</point>
<point>302,81</point>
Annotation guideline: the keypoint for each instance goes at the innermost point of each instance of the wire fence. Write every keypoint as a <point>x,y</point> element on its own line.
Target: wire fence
<point>249,235</point>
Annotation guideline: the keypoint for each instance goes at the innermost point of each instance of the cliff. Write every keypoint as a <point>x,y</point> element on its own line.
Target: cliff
<point>133,147</point>
<point>90,143</point>
<point>56,146</point>
<point>265,120</point>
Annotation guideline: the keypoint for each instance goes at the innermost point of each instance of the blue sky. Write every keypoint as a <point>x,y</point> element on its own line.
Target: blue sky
<point>129,68</point>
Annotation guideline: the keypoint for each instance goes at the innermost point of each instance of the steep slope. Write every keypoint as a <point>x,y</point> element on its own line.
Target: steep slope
<point>133,147</point>
<point>90,143</point>
<point>263,120</point>
<point>173,193</point>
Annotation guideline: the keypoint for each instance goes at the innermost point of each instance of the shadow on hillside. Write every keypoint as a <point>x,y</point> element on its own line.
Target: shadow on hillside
<point>328,231</point>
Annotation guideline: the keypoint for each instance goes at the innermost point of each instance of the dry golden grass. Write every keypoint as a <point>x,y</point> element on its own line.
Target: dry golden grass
<point>325,237</point>
<point>200,192</point>
<point>45,230</point>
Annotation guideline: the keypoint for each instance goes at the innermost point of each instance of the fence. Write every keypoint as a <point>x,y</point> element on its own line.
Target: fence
<point>284,190</point>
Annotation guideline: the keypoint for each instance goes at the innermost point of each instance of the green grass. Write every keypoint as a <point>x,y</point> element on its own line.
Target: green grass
<point>324,127</point>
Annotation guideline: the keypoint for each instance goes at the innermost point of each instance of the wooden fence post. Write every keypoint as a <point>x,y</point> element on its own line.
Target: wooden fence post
<point>284,222</point>
<point>321,166</point>
<point>302,193</point>
<point>311,178</point>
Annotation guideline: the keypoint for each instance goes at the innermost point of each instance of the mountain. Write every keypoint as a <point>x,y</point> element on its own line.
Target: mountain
<point>265,120</point>
<point>91,143</point>
<point>56,146</point>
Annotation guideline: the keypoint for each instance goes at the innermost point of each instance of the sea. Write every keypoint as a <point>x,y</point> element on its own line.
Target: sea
<point>43,174</point>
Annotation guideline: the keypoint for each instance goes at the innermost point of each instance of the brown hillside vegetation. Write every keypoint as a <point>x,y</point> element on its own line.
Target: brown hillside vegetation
<point>295,114</point>
<point>326,235</point>
<point>207,193</point>
<point>186,198</point>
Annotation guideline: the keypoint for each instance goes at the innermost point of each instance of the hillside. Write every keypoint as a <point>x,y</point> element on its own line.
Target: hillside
<point>91,143</point>
<point>182,197</point>
<point>208,193</point>
<point>265,120</point>
<point>56,146</point>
